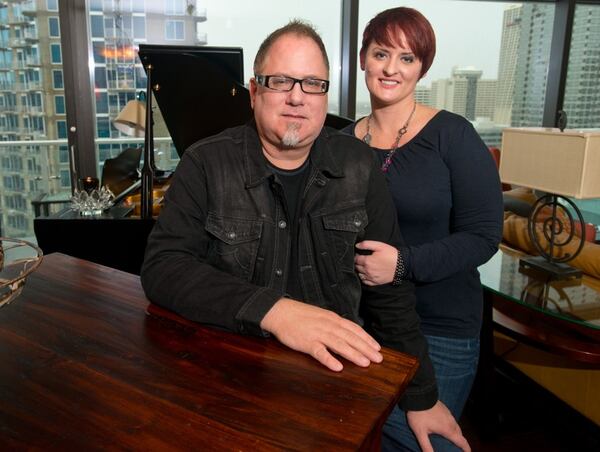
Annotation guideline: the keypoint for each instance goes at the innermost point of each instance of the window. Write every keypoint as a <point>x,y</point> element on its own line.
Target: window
<point>53,27</point>
<point>65,178</point>
<point>57,79</point>
<point>174,30</point>
<point>97,26</point>
<point>101,102</point>
<point>52,5</point>
<point>55,54</point>
<point>493,81</point>
<point>138,6</point>
<point>175,7</point>
<point>61,129</point>
<point>59,105</point>
<point>100,77</point>
<point>139,27</point>
<point>103,127</point>
<point>99,52</point>
<point>63,154</point>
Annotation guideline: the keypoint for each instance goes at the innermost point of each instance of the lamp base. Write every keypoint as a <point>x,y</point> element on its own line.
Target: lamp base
<point>555,270</point>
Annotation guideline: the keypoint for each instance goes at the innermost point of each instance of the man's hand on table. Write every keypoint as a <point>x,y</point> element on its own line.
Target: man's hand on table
<point>317,332</point>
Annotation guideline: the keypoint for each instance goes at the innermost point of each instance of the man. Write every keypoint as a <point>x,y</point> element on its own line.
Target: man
<point>258,230</point>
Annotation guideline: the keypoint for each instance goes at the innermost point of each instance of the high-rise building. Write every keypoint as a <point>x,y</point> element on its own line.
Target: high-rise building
<point>465,93</point>
<point>532,62</point>
<point>450,94</point>
<point>471,76</point>
<point>509,47</point>
<point>423,95</point>
<point>582,96</point>
<point>32,100</point>
<point>30,105</point>
<point>116,33</point>
<point>485,101</point>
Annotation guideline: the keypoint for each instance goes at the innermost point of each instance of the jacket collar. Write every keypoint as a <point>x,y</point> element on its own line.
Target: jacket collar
<point>255,166</point>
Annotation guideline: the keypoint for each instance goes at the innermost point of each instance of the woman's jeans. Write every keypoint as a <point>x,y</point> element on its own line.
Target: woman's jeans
<point>455,363</point>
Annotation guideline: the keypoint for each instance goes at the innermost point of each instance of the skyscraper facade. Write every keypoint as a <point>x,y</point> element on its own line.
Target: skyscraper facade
<point>32,99</point>
<point>531,70</point>
<point>509,47</point>
<point>582,96</point>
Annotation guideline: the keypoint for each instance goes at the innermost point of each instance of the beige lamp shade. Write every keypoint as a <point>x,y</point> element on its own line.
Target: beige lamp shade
<point>564,163</point>
<point>132,119</point>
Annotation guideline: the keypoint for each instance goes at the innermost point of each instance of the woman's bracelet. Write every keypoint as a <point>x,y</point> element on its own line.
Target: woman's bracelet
<point>400,271</point>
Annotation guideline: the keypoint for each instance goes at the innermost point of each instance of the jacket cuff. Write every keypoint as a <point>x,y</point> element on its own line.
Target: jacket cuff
<point>252,312</point>
<point>419,401</point>
<point>406,261</point>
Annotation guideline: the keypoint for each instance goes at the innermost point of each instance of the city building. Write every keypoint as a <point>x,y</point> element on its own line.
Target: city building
<point>32,94</point>
<point>423,95</point>
<point>582,97</point>
<point>509,46</point>
<point>531,65</point>
<point>465,93</point>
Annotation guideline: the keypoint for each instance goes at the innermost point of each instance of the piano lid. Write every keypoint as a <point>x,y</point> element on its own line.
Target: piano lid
<point>201,90</point>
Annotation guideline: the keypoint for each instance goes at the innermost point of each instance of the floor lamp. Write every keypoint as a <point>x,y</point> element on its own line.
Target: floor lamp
<point>136,120</point>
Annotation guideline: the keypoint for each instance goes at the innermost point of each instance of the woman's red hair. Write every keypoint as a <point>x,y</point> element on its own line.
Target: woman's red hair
<point>387,26</point>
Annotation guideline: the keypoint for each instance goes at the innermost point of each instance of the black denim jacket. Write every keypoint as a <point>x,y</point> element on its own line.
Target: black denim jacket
<point>219,250</point>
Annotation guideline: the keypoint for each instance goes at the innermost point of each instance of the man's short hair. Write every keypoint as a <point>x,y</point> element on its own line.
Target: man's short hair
<point>295,27</point>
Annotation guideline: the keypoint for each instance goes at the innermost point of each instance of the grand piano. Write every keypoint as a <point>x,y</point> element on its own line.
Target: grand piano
<point>200,92</point>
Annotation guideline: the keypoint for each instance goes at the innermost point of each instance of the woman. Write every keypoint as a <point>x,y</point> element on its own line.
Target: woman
<point>446,189</point>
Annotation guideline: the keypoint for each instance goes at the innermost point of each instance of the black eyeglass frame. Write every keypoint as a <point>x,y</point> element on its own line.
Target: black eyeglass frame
<point>263,80</point>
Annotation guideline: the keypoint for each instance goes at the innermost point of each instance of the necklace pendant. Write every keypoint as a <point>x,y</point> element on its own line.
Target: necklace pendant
<point>367,138</point>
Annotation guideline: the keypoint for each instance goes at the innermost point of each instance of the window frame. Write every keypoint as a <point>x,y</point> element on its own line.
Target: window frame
<point>71,18</point>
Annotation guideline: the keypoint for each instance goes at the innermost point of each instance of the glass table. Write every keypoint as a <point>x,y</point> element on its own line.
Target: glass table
<point>558,316</point>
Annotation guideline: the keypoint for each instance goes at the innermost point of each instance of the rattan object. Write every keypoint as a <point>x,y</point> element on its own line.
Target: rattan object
<point>18,259</point>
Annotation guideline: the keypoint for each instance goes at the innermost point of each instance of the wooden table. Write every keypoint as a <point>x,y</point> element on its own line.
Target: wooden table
<point>84,367</point>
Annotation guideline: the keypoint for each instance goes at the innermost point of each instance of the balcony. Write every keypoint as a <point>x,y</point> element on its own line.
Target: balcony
<point>6,85</point>
<point>18,43</point>
<point>32,60</point>
<point>200,15</point>
<point>8,108</point>
<point>31,34</point>
<point>31,133</point>
<point>201,38</point>
<point>31,109</point>
<point>18,19</point>
<point>29,8</point>
<point>32,86</point>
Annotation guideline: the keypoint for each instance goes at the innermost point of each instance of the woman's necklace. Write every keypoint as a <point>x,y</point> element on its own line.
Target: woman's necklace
<point>388,157</point>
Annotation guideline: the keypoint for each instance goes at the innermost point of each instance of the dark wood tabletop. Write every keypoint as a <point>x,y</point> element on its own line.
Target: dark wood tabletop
<point>85,367</point>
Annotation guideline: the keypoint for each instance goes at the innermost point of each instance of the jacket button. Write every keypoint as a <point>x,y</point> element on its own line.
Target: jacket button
<point>357,223</point>
<point>282,224</point>
<point>279,272</point>
<point>231,235</point>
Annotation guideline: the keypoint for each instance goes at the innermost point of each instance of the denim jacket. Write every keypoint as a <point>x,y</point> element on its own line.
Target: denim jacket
<point>219,251</point>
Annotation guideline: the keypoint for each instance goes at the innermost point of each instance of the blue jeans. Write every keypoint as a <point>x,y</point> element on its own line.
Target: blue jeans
<point>455,364</point>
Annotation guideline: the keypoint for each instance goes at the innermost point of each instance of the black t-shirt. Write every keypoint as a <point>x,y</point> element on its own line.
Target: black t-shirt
<point>294,182</point>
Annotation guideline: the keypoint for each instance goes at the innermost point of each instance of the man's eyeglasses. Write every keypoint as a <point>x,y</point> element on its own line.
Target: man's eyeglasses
<point>281,83</point>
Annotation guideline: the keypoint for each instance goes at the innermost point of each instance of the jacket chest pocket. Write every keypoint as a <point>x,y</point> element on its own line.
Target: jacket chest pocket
<point>235,244</point>
<point>343,230</point>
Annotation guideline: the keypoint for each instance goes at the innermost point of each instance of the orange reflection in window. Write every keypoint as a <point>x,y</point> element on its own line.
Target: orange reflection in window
<point>125,52</point>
